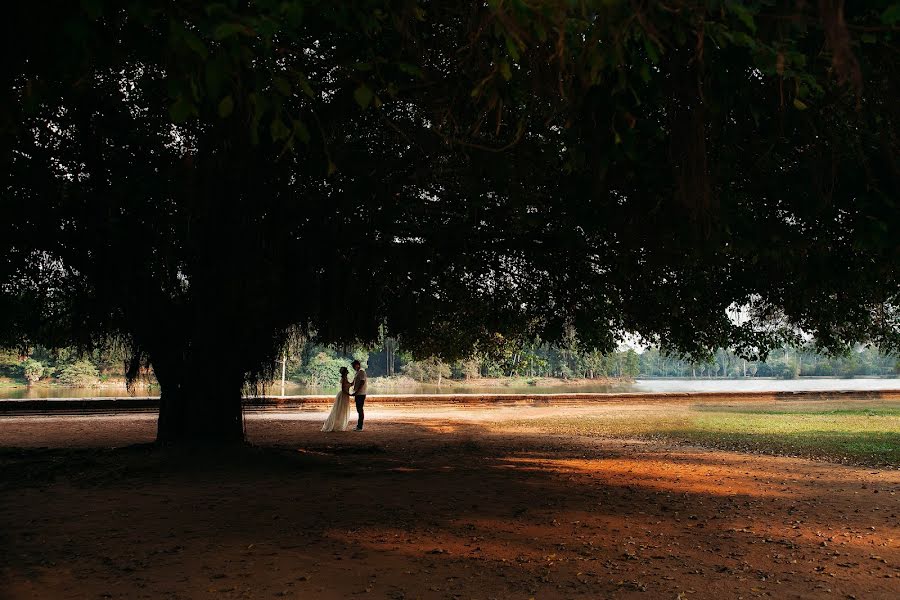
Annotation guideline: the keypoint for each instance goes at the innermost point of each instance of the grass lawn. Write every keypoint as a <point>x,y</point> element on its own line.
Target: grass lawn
<point>867,435</point>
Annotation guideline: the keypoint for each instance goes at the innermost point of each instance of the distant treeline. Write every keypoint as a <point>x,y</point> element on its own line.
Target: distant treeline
<point>315,364</point>
<point>785,363</point>
<point>64,366</point>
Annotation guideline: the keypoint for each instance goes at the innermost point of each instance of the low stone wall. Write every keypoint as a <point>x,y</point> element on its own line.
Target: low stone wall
<point>578,398</point>
<point>151,403</point>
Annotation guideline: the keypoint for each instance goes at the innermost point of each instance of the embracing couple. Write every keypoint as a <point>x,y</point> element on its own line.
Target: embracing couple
<point>339,417</point>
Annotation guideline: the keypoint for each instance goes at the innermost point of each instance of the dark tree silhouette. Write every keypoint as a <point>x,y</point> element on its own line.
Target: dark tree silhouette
<point>199,178</point>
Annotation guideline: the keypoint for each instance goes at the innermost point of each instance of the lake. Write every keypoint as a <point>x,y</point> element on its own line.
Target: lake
<point>641,385</point>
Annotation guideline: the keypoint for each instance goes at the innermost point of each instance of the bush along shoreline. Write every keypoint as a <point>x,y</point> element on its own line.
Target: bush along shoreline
<point>311,365</point>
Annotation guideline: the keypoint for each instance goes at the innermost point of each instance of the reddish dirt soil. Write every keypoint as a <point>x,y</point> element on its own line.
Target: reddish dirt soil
<point>429,506</point>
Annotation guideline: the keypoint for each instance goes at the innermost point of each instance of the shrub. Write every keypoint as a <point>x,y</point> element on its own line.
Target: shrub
<point>467,369</point>
<point>788,371</point>
<point>429,370</point>
<point>33,370</point>
<point>394,382</point>
<point>325,370</point>
<point>81,373</point>
<point>10,364</point>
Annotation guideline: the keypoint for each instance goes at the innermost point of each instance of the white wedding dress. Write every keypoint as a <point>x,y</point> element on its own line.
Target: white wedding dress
<point>339,417</point>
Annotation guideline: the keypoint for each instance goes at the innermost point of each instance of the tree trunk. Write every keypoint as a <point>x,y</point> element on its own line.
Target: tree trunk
<point>283,370</point>
<point>200,416</point>
<point>197,405</point>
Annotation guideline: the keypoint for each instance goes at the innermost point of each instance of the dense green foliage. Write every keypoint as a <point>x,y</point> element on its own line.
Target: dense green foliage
<point>572,362</point>
<point>318,365</point>
<point>203,179</point>
<point>785,363</point>
<point>32,370</point>
<point>430,370</point>
<point>64,365</point>
<point>81,373</point>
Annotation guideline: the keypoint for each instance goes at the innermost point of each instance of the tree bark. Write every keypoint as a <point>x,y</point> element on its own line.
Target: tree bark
<point>209,416</point>
<point>198,406</point>
<point>283,370</point>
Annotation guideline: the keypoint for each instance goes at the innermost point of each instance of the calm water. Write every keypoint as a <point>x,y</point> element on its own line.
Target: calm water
<point>802,384</point>
<point>641,385</point>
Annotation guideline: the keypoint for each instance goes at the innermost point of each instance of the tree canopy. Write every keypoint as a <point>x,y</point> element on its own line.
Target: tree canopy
<point>201,176</point>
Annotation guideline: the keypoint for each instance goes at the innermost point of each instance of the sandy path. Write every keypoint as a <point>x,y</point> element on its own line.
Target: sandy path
<point>431,505</point>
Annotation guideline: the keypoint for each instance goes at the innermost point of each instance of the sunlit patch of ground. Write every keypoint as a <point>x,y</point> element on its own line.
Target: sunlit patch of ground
<point>714,480</point>
<point>867,434</point>
<point>444,504</point>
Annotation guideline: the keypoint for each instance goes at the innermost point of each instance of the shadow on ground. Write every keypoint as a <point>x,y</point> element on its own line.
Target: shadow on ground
<point>441,510</point>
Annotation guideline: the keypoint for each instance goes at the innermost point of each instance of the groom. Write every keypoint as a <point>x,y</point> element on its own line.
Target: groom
<point>359,392</point>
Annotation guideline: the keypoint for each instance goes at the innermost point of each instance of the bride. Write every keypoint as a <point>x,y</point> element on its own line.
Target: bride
<point>339,417</point>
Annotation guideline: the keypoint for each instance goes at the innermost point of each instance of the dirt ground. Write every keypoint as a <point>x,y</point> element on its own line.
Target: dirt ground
<point>429,504</point>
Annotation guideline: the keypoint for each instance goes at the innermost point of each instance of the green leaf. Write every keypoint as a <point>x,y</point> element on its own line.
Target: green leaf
<point>226,30</point>
<point>305,87</point>
<point>193,41</point>
<point>93,8</point>
<point>226,106</point>
<point>410,69</point>
<point>645,73</point>
<point>512,49</point>
<point>739,38</point>
<point>182,110</point>
<point>505,70</point>
<point>891,14</point>
<point>742,13</point>
<point>363,96</point>
<point>293,13</point>
<point>215,77</point>
<point>301,131</point>
<point>799,104</point>
<point>282,85</point>
<point>651,50</point>
<point>279,130</point>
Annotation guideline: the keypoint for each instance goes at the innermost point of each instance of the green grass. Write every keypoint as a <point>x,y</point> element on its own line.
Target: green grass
<point>885,411</point>
<point>869,436</point>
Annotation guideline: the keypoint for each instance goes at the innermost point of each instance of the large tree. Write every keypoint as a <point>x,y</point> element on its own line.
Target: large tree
<point>201,177</point>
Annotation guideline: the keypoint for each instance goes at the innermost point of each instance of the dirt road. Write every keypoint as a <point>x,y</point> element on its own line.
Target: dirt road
<point>430,505</point>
